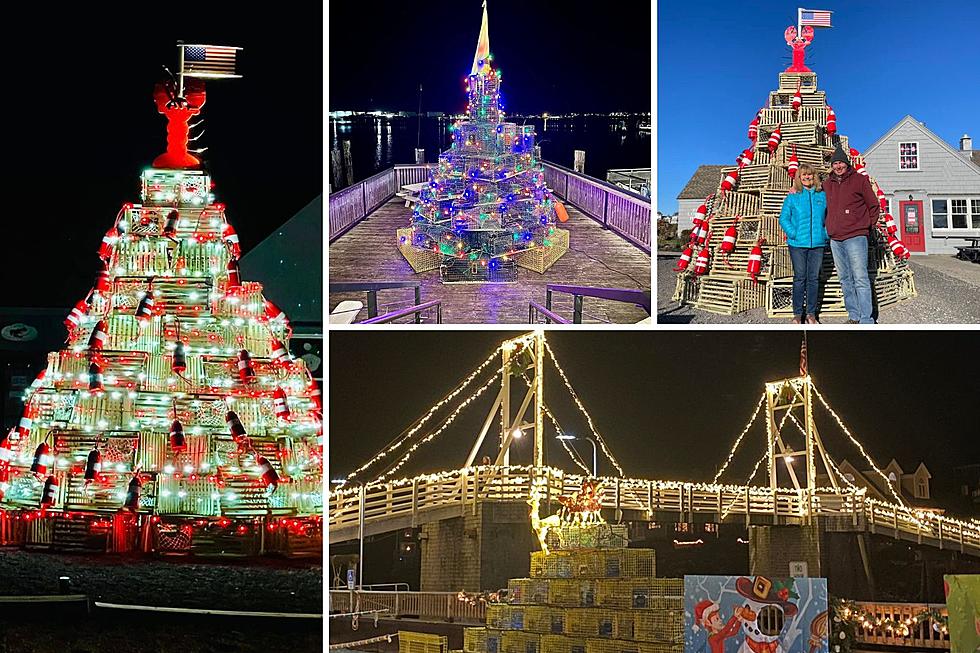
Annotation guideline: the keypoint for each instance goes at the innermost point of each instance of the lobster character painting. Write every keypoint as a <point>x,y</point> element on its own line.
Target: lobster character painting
<point>755,614</point>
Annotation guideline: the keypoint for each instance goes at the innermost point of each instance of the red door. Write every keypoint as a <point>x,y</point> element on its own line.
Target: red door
<point>913,233</point>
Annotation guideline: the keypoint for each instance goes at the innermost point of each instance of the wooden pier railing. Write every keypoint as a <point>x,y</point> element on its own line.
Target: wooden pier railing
<point>621,211</point>
<point>925,634</point>
<point>429,497</point>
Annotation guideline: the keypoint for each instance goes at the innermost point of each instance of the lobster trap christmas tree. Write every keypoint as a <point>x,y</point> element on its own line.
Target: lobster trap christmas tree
<point>174,418</point>
<point>486,209</point>
<point>737,258</point>
<point>588,592</point>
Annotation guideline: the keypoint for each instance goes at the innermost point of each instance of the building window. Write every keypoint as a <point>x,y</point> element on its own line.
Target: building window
<point>956,213</point>
<point>959,215</point>
<point>940,214</point>
<point>908,156</point>
<point>975,213</point>
<point>921,490</point>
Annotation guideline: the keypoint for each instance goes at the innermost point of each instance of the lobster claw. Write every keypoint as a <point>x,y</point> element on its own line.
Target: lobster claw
<point>807,35</point>
<point>790,34</point>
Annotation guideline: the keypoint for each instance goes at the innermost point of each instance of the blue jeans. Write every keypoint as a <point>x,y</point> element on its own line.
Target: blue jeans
<point>851,260</point>
<point>806,269</point>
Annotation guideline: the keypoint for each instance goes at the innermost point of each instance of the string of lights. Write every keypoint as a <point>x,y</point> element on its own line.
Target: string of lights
<point>738,440</point>
<point>758,464</point>
<point>449,420</point>
<point>588,418</point>
<point>576,458</point>
<point>391,448</point>
<point>856,443</point>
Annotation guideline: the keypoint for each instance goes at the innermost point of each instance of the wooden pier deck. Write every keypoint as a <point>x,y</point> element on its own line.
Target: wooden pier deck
<point>596,257</point>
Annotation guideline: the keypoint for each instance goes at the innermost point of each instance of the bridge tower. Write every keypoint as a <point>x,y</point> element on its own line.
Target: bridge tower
<point>522,361</point>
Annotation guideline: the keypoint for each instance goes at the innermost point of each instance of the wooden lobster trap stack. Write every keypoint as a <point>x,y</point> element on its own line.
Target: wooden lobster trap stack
<point>754,204</point>
<point>604,598</point>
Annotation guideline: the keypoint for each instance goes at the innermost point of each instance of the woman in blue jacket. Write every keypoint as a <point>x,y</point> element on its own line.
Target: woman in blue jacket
<point>802,218</point>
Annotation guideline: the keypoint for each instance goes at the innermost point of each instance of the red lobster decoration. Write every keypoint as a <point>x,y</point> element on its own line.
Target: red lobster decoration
<point>798,42</point>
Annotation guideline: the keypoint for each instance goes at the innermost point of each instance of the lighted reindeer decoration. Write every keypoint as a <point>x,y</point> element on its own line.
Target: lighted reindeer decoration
<point>798,42</point>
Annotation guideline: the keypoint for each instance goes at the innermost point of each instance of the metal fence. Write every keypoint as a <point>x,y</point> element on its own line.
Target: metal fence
<point>619,210</point>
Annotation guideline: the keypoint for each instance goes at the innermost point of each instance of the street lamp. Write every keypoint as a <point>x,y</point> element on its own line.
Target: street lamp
<point>595,462</point>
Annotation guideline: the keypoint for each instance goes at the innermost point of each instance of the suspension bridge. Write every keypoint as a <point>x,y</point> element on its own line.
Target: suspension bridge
<point>801,483</point>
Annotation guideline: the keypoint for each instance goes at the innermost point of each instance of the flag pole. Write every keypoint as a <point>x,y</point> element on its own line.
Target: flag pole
<point>180,68</point>
<point>799,22</point>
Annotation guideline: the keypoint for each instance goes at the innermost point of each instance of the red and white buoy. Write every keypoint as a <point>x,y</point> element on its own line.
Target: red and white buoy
<point>728,183</point>
<point>146,306</point>
<point>882,200</point>
<point>103,283</point>
<point>132,501</point>
<point>108,242</point>
<point>754,129</point>
<point>831,121</point>
<point>745,158</point>
<point>235,426</point>
<point>754,267</point>
<point>170,224</point>
<point>230,238</point>
<point>6,452</point>
<point>774,138</point>
<point>280,405</point>
<point>100,336</point>
<point>96,381</point>
<point>43,460</point>
<point>794,164</point>
<point>898,248</point>
<point>77,314</point>
<point>267,474</point>
<point>38,381</point>
<point>797,98</point>
<point>272,312</point>
<point>703,232</point>
<point>49,494</point>
<point>278,352</point>
<point>685,259</point>
<point>179,364</point>
<point>26,423</point>
<point>245,371</point>
<point>701,263</point>
<point>728,240</point>
<point>93,466</point>
<point>890,224</point>
<point>234,277</point>
<point>860,168</point>
<point>178,443</point>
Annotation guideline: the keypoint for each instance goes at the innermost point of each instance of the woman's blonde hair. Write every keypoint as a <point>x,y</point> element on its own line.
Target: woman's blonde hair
<point>798,183</point>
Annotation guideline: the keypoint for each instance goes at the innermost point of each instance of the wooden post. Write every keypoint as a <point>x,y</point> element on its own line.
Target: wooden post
<point>539,352</point>
<point>579,164</point>
<point>348,167</point>
<point>415,502</point>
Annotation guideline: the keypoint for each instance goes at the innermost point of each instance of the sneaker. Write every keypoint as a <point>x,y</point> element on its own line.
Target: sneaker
<point>812,319</point>
<point>853,322</point>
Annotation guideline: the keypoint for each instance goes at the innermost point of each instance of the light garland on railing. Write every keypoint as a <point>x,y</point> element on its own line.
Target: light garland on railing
<point>738,440</point>
<point>449,420</point>
<point>860,448</point>
<point>578,402</point>
<point>849,617</point>
<point>428,415</point>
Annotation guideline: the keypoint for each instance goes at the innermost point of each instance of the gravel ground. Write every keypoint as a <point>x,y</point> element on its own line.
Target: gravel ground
<point>947,291</point>
<point>250,584</point>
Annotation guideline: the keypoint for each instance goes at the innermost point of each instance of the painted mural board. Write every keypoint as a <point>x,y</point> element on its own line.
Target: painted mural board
<point>963,605</point>
<point>755,614</point>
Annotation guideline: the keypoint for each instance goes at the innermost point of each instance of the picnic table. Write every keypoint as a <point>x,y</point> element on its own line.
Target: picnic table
<point>410,193</point>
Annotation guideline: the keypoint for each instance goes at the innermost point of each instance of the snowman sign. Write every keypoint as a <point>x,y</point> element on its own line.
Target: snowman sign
<point>755,614</point>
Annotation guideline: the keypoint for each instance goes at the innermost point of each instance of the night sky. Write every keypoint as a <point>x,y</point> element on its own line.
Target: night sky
<point>81,125</point>
<point>669,404</point>
<point>554,55</point>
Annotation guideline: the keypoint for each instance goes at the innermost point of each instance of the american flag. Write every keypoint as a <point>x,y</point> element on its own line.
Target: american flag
<point>211,61</point>
<point>803,366</point>
<point>815,17</point>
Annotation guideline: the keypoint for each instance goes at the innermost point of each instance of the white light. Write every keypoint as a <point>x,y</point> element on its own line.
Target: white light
<point>188,469</point>
<point>517,434</point>
<point>168,469</point>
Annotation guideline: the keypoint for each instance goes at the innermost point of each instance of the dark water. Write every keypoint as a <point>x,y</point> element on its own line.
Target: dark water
<point>378,143</point>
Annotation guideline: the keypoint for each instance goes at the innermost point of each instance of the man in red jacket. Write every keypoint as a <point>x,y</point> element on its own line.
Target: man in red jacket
<point>852,212</point>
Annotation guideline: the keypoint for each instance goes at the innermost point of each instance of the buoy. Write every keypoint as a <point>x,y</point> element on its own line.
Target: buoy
<point>25,423</point>
<point>278,352</point>
<point>103,283</point>
<point>882,200</point>
<point>280,405</point>
<point>731,235</point>
<point>898,248</point>
<point>745,158</point>
<point>234,278</point>
<point>77,315</point>
<point>6,452</point>
<point>108,242</point>
<point>754,129</point>
<point>860,168</point>
<point>178,443</point>
<point>754,267</point>
<point>797,98</point>
<point>267,474</point>
<point>100,336</point>
<point>42,460</point>
<point>703,232</point>
<point>831,121</point>
<point>794,164</point>
<point>728,183</point>
<point>235,427</point>
<point>245,371</point>
<point>144,310</point>
<point>701,263</point>
<point>170,224</point>
<point>890,224</point>
<point>132,501</point>
<point>685,259</point>
<point>49,495</point>
<point>93,466</point>
<point>561,212</point>
<point>774,138</point>
<point>230,238</point>
<point>95,378</point>
<point>179,364</point>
